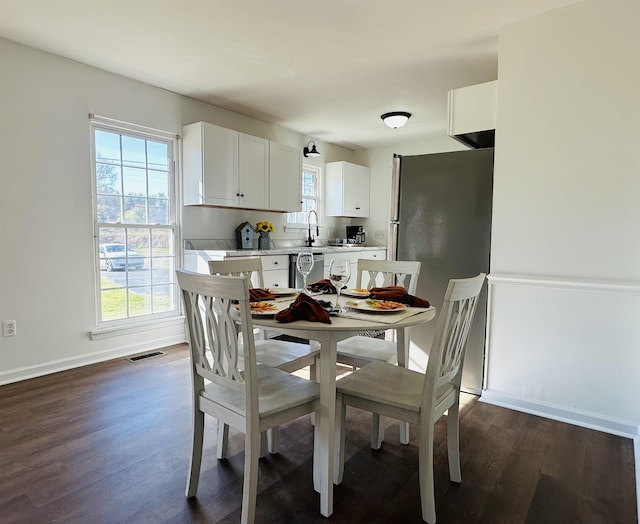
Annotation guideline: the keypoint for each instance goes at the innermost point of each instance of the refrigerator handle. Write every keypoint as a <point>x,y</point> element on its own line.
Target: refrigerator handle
<point>395,188</point>
<point>395,199</point>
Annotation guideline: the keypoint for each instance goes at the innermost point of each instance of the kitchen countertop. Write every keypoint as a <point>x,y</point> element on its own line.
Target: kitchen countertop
<point>281,251</point>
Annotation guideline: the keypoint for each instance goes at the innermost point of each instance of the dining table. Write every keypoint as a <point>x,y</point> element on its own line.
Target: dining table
<point>344,325</point>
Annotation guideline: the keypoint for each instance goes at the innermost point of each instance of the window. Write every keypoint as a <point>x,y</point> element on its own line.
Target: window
<point>135,223</point>
<point>310,195</point>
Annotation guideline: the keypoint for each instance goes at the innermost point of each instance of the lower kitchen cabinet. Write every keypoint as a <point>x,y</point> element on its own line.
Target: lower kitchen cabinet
<point>275,270</point>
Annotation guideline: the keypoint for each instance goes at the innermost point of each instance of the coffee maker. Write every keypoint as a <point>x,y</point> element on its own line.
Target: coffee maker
<point>355,235</point>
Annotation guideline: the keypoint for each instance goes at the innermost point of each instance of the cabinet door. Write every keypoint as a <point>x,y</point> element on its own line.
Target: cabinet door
<point>285,171</point>
<point>333,177</point>
<point>253,165</point>
<point>192,173</point>
<point>220,165</point>
<point>356,190</point>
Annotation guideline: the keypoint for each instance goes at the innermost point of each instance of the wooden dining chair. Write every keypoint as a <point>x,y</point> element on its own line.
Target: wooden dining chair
<point>418,398</point>
<point>361,350</point>
<point>252,399</point>
<point>281,354</point>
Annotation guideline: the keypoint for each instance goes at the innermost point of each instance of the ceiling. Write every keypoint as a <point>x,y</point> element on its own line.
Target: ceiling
<point>327,69</point>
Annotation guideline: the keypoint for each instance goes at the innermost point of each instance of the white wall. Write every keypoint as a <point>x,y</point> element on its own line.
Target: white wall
<point>564,324</point>
<point>46,246</point>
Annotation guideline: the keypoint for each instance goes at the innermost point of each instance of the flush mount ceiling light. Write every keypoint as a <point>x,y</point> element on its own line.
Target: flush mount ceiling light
<point>310,149</point>
<point>395,119</point>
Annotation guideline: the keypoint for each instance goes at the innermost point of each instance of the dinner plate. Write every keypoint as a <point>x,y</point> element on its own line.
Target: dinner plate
<point>282,291</point>
<point>359,293</point>
<point>265,309</point>
<point>377,306</point>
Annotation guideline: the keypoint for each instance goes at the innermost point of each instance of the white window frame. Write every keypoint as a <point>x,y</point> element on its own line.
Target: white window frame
<point>299,219</point>
<point>134,323</point>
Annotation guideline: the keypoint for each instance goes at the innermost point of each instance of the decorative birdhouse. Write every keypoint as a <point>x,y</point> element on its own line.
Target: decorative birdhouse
<point>244,236</point>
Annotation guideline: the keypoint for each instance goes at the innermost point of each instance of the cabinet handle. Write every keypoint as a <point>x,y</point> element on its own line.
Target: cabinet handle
<point>275,263</point>
<point>357,208</point>
<point>237,194</point>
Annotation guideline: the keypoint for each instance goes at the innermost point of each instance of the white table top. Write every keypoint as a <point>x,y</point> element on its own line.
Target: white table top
<point>377,321</point>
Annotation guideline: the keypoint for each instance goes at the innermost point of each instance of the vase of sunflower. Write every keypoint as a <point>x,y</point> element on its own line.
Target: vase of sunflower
<point>264,229</point>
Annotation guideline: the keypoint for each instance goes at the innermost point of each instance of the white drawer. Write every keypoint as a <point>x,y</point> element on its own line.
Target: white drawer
<point>272,262</point>
<point>276,278</point>
<point>380,254</point>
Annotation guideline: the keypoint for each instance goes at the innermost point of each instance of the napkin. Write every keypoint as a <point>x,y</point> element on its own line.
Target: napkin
<point>304,308</point>
<point>258,294</point>
<point>398,294</point>
<point>322,286</point>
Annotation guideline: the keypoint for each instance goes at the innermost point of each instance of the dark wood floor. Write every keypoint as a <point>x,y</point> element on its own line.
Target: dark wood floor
<point>109,443</point>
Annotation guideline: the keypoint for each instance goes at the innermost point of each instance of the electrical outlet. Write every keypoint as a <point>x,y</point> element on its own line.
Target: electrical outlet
<point>9,328</point>
<point>379,235</point>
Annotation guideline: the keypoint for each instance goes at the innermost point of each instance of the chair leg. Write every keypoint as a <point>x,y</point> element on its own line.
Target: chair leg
<point>196,453</point>
<point>252,446</point>
<point>377,431</point>
<point>273,438</point>
<point>264,444</point>
<point>453,442</point>
<point>425,467</point>
<point>338,452</point>
<point>316,458</point>
<point>404,432</point>
<point>223,440</point>
<point>314,370</point>
<point>314,374</point>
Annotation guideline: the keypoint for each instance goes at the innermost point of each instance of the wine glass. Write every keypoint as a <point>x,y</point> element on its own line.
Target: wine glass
<point>304,263</point>
<point>339,273</point>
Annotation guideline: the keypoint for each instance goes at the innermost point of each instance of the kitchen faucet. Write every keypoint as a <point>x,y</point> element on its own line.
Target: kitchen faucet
<point>311,239</point>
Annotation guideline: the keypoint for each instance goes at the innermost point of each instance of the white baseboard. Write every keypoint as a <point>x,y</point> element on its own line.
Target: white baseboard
<point>636,454</point>
<point>583,419</point>
<point>63,364</point>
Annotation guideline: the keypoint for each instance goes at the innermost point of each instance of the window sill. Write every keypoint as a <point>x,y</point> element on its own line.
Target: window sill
<point>130,329</point>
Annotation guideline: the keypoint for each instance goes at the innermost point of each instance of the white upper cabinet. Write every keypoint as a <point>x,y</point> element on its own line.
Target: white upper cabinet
<point>222,167</point>
<point>253,172</point>
<point>347,190</point>
<point>472,114</point>
<point>285,175</point>
<point>210,165</point>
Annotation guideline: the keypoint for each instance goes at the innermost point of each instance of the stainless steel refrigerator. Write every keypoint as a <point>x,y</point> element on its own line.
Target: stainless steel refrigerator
<point>441,215</point>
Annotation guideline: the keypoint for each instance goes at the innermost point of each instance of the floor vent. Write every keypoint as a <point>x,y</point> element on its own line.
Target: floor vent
<point>138,358</point>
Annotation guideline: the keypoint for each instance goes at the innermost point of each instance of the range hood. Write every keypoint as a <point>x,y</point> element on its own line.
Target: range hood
<point>472,114</point>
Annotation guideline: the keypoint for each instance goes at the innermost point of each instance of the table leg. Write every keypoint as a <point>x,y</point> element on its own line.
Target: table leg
<point>324,438</point>
<point>403,338</point>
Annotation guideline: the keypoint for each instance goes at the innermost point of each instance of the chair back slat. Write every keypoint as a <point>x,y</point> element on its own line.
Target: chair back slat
<point>248,267</point>
<point>393,272</point>
<point>215,306</point>
<point>446,357</point>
